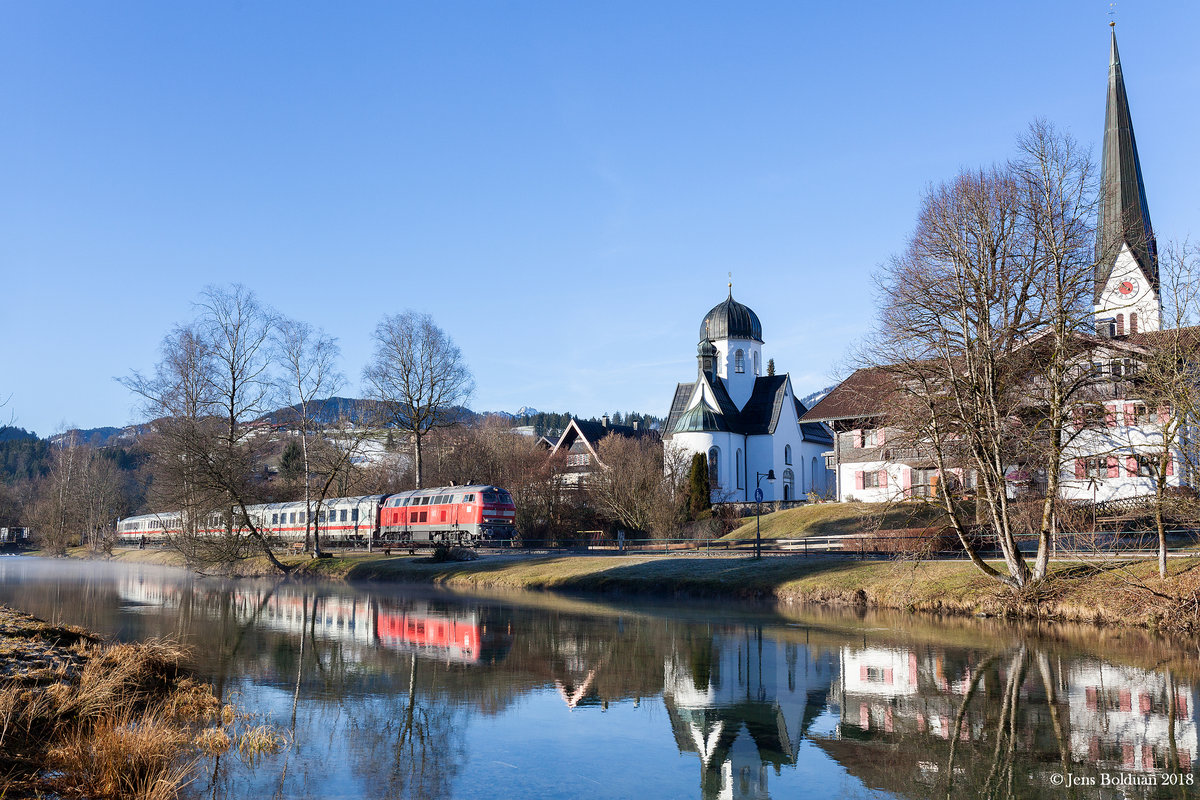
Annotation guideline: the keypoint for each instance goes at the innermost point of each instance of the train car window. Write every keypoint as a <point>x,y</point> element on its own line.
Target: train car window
<point>293,516</point>
<point>274,519</point>
<point>354,515</point>
<point>320,516</point>
<point>343,515</point>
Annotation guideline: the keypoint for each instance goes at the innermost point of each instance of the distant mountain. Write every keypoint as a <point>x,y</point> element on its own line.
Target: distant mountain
<point>332,409</point>
<point>100,437</point>
<point>815,397</point>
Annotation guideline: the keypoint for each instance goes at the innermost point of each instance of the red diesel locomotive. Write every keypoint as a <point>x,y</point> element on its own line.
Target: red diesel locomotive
<point>462,515</point>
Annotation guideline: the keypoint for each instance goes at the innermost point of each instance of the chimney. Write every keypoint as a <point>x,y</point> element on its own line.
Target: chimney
<point>604,420</point>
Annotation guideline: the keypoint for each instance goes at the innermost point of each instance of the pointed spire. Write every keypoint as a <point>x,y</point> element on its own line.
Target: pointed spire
<point>1124,215</point>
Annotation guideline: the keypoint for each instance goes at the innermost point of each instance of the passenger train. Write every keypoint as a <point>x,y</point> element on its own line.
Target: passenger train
<point>462,515</point>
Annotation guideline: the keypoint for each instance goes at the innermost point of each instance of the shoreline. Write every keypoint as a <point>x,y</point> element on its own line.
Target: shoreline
<point>1115,594</point>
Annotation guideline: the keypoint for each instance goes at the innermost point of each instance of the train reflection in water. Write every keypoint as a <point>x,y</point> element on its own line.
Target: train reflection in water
<point>451,633</point>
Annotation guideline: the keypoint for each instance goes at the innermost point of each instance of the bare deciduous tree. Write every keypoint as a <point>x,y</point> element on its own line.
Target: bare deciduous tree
<point>980,332</point>
<point>309,377</point>
<point>418,376</point>
<point>211,383</point>
<point>635,488</point>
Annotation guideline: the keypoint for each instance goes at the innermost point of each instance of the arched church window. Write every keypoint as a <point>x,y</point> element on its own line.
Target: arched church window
<point>789,485</point>
<point>739,361</point>
<point>756,370</point>
<point>714,476</point>
<point>1133,322</point>
<point>737,462</point>
<point>814,486</point>
<point>1120,324</point>
<point>787,454</point>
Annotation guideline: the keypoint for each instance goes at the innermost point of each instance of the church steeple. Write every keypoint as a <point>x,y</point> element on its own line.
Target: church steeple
<point>1124,220</point>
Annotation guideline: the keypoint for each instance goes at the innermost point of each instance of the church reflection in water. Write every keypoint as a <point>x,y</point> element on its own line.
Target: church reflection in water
<point>744,707</point>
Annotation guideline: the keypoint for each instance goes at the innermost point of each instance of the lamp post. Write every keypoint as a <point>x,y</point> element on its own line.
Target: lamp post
<point>758,495</point>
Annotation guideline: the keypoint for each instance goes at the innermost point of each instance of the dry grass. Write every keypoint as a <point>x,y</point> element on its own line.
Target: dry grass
<point>107,720</point>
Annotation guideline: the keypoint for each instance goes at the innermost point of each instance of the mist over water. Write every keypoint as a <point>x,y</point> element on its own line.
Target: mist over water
<point>395,691</point>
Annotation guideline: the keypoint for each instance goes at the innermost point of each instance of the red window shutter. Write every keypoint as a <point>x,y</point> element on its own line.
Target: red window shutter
<point>858,480</point>
<point>1131,466</point>
<point>858,438</point>
<point>1110,416</point>
<point>1114,471</point>
<point>1077,415</point>
<point>1170,466</point>
<point>879,437</point>
<point>1144,703</point>
<point>1181,705</point>
<point>1080,471</point>
<point>906,480</point>
<point>1126,700</point>
<point>889,676</point>
<point>1091,698</point>
<point>862,673</point>
<point>883,478</point>
<point>1129,414</point>
<point>1164,413</point>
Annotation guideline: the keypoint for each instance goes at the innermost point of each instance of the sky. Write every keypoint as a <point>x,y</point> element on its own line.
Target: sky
<point>565,187</point>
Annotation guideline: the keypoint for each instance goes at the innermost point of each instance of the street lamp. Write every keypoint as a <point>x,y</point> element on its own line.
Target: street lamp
<point>758,496</point>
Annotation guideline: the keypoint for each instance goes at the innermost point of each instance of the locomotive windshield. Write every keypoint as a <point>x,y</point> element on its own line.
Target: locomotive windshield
<point>498,496</point>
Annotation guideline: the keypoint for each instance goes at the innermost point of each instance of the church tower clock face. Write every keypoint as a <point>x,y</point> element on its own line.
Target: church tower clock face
<point>1126,288</point>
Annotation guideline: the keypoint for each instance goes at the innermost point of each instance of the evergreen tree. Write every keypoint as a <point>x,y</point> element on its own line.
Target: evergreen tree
<point>770,366</point>
<point>291,463</point>
<point>699,497</point>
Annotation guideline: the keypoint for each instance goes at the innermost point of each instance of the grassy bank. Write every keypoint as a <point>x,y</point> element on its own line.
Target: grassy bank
<point>833,519</point>
<point>80,716</point>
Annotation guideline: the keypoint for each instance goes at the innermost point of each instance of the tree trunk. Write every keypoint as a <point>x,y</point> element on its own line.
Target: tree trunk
<point>417,457</point>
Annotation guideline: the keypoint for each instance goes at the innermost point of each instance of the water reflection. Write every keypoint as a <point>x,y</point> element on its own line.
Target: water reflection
<point>395,692</point>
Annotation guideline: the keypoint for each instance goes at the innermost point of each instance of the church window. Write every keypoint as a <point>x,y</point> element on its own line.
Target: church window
<point>756,370</point>
<point>738,465</point>
<point>787,454</point>
<point>714,456</point>
<point>1120,324</point>
<point>789,485</point>
<point>1133,322</point>
<point>739,361</point>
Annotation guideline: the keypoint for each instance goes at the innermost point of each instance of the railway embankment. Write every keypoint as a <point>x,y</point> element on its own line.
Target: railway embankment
<point>1106,593</point>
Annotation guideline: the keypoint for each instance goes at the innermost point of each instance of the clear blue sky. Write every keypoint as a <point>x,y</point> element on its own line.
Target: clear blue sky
<point>563,185</point>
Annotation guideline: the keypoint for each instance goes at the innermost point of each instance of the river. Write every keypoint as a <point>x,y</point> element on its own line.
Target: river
<point>397,691</point>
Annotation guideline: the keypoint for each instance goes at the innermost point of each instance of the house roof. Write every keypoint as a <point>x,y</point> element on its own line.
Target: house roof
<point>593,432</point>
<point>860,395</point>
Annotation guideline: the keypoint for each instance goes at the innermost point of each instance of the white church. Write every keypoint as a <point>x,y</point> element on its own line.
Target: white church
<point>745,422</point>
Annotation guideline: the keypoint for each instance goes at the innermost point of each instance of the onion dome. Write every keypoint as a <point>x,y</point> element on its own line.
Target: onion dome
<point>731,320</point>
<point>700,418</point>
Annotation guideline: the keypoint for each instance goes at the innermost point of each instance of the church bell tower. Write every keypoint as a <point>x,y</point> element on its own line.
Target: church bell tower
<point>1127,288</point>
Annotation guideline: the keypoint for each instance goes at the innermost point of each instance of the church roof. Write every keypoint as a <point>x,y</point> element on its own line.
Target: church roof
<point>731,320</point>
<point>1124,216</point>
<point>758,417</point>
<point>700,417</point>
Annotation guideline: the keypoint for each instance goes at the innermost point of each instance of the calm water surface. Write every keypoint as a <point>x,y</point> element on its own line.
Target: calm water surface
<point>396,692</point>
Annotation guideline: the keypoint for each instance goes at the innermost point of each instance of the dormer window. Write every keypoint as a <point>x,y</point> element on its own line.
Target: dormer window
<point>739,361</point>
